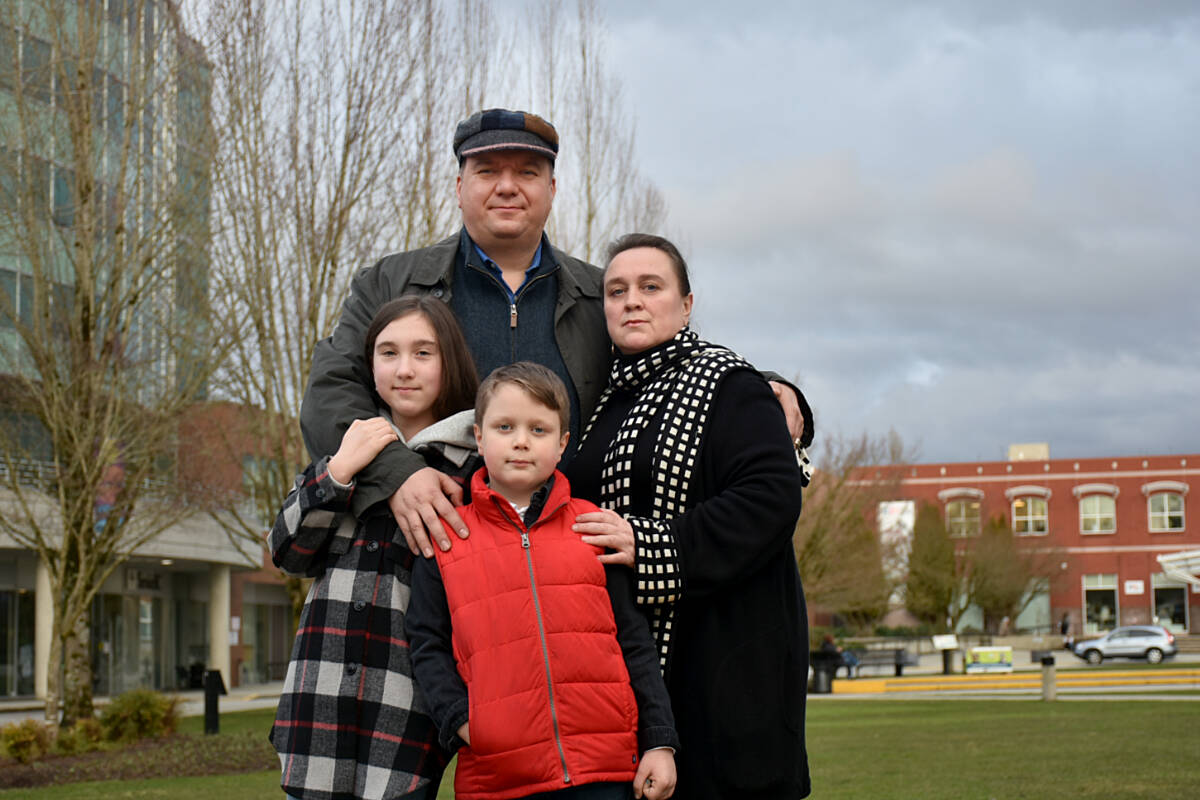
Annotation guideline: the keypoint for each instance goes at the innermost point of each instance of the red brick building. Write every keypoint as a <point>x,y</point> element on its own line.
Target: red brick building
<point>1109,518</point>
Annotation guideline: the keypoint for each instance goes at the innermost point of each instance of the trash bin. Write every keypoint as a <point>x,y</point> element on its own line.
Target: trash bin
<point>822,682</point>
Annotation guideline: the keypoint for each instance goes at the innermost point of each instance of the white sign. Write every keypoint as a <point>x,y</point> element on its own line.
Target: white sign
<point>1135,587</point>
<point>945,642</point>
<point>235,623</point>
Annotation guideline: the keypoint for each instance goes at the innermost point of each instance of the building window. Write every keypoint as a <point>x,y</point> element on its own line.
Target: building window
<point>1097,514</point>
<point>1164,503</point>
<point>36,68</point>
<point>64,197</point>
<point>1166,511</point>
<point>1170,603</point>
<point>962,517</point>
<point>1029,516</point>
<point>1100,603</point>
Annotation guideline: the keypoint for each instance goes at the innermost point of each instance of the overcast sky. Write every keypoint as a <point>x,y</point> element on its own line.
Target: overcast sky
<point>977,223</point>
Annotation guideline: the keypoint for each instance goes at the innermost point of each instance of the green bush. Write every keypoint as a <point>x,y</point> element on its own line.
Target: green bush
<point>83,737</point>
<point>139,714</point>
<point>905,631</point>
<point>27,740</point>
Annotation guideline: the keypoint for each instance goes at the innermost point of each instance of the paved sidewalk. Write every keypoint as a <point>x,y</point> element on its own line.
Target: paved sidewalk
<point>266,695</point>
<point>243,698</point>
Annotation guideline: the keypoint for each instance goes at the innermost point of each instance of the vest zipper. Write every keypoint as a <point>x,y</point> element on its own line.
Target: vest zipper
<point>537,609</point>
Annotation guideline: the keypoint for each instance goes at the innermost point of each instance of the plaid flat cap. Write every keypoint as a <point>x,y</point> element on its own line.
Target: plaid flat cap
<point>501,129</point>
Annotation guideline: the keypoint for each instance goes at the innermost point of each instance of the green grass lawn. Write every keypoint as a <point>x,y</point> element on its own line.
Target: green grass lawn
<point>927,749</point>
<point>959,749</point>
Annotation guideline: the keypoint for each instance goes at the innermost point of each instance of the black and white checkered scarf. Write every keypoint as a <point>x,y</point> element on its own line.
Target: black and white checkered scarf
<point>675,383</point>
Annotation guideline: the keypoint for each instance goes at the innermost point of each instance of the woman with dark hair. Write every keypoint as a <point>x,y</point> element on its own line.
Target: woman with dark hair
<point>690,448</point>
<point>351,721</point>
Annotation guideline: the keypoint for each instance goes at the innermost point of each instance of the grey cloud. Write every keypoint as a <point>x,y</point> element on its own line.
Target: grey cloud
<point>974,222</point>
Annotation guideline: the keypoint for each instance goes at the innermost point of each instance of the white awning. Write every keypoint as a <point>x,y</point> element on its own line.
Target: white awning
<point>1184,566</point>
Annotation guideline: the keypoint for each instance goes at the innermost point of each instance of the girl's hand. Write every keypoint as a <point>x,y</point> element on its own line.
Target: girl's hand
<point>608,529</point>
<point>464,732</point>
<point>655,778</point>
<point>361,443</point>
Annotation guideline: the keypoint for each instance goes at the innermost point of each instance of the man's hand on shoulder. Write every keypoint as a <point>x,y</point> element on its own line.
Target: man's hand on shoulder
<point>419,505</point>
<point>791,409</point>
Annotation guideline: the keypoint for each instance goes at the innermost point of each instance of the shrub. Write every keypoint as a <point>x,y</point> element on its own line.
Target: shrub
<point>905,631</point>
<point>27,740</point>
<point>83,737</point>
<point>139,714</point>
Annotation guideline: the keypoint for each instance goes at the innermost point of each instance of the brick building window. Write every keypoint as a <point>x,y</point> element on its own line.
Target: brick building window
<point>1099,603</point>
<point>1097,514</point>
<point>1164,503</point>
<point>1029,510</point>
<point>1097,507</point>
<point>1166,511</point>
<point>1029,516</point>
<point>962,517</point>
<point>961,510</point>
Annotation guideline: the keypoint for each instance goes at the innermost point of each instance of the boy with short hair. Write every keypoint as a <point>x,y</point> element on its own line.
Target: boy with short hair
<point>530,652</point>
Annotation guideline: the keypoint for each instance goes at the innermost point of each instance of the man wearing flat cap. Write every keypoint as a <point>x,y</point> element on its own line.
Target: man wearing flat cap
<point>517,297</point>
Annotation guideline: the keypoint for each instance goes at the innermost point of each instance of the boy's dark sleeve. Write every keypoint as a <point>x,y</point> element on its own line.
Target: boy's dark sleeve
<point>428,626</point>
<point>656,723</point>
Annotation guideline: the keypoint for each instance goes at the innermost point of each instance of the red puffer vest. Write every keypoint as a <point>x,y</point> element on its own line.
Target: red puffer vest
<point>536,644</point>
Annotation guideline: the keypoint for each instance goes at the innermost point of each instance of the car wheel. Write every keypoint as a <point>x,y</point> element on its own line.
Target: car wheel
<point>1093,656</point>
<point>1154,655</point>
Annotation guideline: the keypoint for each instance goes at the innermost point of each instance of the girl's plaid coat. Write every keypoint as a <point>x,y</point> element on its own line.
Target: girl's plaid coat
<point>351,722</point>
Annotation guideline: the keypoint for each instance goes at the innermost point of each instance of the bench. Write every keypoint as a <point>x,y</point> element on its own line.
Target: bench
<point>896,657</point>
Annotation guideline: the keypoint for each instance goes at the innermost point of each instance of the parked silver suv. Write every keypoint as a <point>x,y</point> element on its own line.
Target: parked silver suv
<point>1129,641</point>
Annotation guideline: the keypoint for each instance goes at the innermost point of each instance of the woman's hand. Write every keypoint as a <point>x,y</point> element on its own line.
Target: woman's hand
<point>655,778</point>
<point>607,529</point>
<point>464,732</point>
<point>363,440</point>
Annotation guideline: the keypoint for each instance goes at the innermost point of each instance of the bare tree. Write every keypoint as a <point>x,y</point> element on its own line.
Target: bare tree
<point>844,565</point>
<point>103,237</point>
<point>601,191</point>
<point>335,123</point>
<point>328,115</point>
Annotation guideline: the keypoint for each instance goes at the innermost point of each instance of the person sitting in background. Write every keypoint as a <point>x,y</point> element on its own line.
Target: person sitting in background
<point>845,658</point>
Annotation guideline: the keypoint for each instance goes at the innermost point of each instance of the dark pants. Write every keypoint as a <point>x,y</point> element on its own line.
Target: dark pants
<point>590,791</point>
<point>426,792</point>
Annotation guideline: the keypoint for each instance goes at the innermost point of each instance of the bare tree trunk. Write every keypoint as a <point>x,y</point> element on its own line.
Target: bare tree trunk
<point>54,682</point>
<point>77,666</point>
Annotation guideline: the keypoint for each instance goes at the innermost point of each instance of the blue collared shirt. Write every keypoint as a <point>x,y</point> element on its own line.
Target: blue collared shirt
<point>493,268</point>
